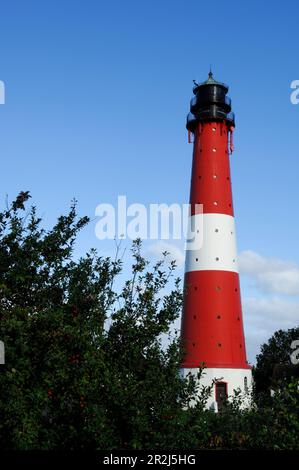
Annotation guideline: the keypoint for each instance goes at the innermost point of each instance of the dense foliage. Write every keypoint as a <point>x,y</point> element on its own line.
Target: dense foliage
<point>86,366</point>
<point>274,361</point>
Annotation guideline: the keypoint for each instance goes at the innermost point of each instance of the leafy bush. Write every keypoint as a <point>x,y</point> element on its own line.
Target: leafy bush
<point>85,365</point>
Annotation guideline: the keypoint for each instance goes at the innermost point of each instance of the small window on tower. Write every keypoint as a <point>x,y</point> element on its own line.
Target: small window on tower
<point>246,384</point>
<point>221,394</point>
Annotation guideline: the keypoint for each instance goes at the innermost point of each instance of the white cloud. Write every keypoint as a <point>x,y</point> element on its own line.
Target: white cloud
<point>269,313</point>
<point>270,275</point>
<point>264,316</point>
<point>175,253</point>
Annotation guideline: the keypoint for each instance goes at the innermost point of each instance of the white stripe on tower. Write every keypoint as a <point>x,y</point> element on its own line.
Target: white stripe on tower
<point>214,245</point>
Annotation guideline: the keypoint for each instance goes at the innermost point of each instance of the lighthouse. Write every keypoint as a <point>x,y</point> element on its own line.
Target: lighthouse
<point>212,331</point>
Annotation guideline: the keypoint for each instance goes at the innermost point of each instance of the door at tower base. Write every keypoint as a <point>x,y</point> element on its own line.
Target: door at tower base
<point>228,381</point>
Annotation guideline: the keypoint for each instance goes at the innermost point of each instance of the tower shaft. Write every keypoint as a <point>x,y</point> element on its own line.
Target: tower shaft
<point>212,326</point>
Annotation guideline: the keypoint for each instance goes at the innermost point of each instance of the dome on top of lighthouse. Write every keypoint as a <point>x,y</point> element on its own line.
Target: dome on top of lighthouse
<point>210,81</point>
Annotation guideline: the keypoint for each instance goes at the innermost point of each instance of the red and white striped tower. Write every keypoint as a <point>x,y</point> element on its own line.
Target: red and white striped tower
<point>212,326</point>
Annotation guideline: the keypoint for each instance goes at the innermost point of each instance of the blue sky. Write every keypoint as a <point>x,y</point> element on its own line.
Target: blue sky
<point>96,99</point>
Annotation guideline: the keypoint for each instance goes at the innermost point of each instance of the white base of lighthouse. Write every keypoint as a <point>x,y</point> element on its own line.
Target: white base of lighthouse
<point>230,380</point>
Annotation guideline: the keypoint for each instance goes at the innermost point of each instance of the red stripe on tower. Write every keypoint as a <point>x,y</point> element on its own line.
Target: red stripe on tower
<point>212,326</point>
